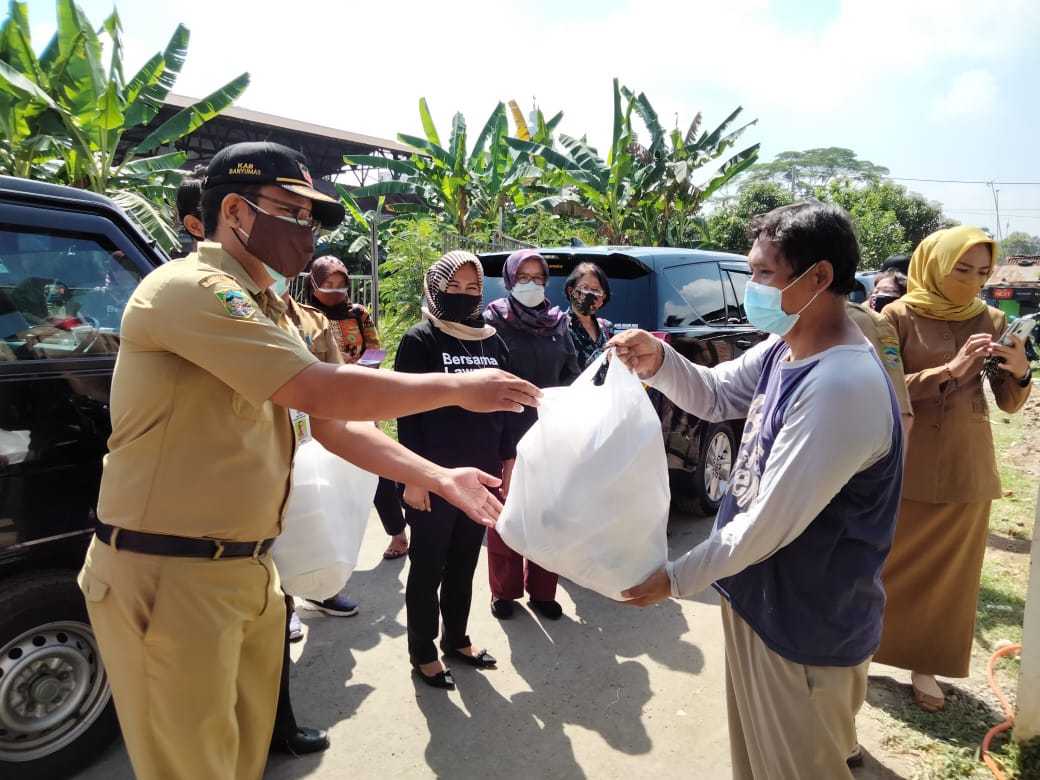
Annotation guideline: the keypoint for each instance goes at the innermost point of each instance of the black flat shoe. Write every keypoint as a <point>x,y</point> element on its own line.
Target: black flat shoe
<point>301,742</point>
<point>442,680</point>
<point>550,610</point>
<point>503,608</point>
<point>482,660</point>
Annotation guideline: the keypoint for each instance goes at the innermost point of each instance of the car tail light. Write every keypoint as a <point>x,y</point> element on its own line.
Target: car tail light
<point>660,334</point>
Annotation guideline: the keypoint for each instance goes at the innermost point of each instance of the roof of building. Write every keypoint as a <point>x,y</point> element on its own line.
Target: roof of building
<point>323,146</point>
<point>1015,275</point>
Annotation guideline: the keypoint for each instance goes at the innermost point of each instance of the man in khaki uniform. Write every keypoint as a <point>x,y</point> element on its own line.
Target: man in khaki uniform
<point>180,587</point>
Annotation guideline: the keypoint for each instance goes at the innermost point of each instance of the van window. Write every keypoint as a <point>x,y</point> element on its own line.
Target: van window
<point>62,295</point>
<point>736,281</point>
<point>692,295</point>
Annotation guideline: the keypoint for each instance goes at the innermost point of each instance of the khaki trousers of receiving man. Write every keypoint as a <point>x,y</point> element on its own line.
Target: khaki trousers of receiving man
<point>193,651</point>
<point>787,721</point>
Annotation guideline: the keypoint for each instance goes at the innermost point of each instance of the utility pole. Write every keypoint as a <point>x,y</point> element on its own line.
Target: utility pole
<point>996,205</point>
<point>373,248</point>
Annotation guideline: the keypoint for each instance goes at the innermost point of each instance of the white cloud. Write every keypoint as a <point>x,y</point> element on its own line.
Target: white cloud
<point>972,92</point>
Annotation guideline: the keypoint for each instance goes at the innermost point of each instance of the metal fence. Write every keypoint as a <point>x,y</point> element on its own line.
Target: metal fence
<point>360,289</point>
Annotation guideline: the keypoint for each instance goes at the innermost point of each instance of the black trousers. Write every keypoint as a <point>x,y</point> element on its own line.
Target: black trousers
<point>443,552</point>
<point>284,719</point>
<point>388,506</point>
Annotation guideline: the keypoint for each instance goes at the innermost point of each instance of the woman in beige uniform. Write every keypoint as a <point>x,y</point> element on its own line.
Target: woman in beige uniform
<point>932,574</point>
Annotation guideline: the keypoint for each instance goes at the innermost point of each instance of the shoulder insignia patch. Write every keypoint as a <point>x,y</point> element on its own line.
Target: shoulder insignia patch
<point>236,304</point>
<point>891,356</point>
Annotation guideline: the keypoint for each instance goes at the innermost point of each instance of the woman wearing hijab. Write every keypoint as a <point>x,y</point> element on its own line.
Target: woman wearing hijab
<point>328,290</point>
<point>932,573</point>
<point>452,338</point>
<point>588,291</point>
<point>542,351</point>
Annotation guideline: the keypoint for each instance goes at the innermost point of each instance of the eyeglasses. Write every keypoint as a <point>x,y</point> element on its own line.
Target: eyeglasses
<point>538,279</point>
<point>298,219</point>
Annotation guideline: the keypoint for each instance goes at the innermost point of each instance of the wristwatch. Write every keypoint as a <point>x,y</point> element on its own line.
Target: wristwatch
<point>1024,381</point>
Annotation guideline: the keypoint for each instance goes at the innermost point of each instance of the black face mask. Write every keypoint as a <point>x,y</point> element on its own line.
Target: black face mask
<point>457,307</point>
<point>878,302</point>
<point>584,304</point>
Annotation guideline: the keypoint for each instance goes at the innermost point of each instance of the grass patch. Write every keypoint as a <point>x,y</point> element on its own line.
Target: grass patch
<point>1013,515</point>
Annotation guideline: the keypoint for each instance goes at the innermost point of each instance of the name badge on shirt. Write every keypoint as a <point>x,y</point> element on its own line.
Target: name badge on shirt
<point>301,423</point>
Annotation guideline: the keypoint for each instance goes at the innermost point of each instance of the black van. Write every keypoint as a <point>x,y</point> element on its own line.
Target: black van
<point>693,300</point>
<point>69,261</point>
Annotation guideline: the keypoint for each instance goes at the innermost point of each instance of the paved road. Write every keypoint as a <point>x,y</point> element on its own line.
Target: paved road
<point>606,692</point>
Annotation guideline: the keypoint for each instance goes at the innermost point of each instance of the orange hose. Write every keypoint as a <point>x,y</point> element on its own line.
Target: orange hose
<point>1009,713</point>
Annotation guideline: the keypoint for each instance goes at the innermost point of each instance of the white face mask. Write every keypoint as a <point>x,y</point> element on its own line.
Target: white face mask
<point>529,294</point>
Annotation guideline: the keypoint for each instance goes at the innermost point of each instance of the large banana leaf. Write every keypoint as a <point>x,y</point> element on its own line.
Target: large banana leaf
<point>485,134</point>
<point>427,122</point>
<point>149,89</point>
<point>193,117</point>
<point>457,146</point>
<point>79,73</point>
<point>14,83</point>
<point>160,163</point>
<point>435,151</point>
<point>114,27</point>
<point>403,167</point>
<point>156,222</point>
<point>385,188</point>
<point>17,44</point>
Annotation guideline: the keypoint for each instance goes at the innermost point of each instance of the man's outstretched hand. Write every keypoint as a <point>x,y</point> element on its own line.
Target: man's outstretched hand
<point>468,490</point>
<point>657,587</point>
<point>492,390</point>
<point>642,352</point>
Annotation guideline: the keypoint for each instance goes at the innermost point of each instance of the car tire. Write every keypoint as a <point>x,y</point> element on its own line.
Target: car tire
<point>56,710</point>
<point>700,492</point>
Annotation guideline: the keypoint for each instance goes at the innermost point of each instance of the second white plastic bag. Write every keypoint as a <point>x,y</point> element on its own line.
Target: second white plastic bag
<point>323,524</point>
<point>589,497</point>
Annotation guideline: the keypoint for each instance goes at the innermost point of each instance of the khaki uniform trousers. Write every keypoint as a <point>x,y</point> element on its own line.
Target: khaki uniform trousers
<point>193,651</point>
<point>787,721</point>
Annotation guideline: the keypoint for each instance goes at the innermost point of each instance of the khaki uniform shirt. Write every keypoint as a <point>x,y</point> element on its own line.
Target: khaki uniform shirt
<point>317,332</point>
<point>883,337</point>
<point>197,448</point>
<point>951,457</point>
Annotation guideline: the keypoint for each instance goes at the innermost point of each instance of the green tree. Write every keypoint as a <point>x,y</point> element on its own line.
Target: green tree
<point>727,227</point>
<point>804,172</point>
<point>413,244</point>
<point>1020,243</point>
<point>470,188</point>
<point>889,220</point>
<point>63,113</point>
<point>641,193</point>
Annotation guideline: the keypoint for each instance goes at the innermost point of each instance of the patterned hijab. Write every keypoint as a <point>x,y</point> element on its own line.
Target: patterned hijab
<point>542,320</point>
<point>436,284</point>
<point>934,260</point>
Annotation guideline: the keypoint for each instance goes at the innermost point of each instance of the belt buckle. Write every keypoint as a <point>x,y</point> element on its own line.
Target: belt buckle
<point>219,553</point>
<point>257,551</point>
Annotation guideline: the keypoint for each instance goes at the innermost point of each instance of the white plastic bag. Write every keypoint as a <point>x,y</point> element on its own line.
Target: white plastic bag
<point>323,524</point>
<point>589,495</point>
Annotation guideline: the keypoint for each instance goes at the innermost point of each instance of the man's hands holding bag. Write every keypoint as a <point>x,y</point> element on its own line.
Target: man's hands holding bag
<point>640,351</point>
<point>657,587</point>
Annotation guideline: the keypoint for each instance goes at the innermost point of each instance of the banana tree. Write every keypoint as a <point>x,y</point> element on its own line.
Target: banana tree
<point>601,191</point>
<point>470,188</point>
<point>680,172</point>
<point>64,113</point>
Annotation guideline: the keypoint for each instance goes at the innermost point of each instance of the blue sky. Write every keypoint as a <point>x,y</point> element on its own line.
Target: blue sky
<point>937,89</point>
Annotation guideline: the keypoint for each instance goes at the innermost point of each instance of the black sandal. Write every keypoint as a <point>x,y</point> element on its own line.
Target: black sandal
<point>482,660</point>
<point>442,680</point>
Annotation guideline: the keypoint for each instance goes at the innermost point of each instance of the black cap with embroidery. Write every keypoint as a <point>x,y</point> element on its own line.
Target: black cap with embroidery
<point>263,162</point>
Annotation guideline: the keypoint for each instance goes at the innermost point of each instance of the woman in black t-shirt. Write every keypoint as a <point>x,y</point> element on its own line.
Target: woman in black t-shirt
<point>445,544</point>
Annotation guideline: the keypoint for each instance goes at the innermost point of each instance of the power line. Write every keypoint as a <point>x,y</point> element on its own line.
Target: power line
<point>966,181</point>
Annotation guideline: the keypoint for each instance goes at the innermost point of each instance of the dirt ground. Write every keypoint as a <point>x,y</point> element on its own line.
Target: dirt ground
<point>606,692</point>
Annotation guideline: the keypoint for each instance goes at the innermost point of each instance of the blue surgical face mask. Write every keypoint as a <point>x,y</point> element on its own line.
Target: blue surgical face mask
<point>281,283</point>
<point>764,310</point>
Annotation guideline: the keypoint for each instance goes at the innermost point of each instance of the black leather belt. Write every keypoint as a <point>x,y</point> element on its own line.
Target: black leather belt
<point>178,546</point>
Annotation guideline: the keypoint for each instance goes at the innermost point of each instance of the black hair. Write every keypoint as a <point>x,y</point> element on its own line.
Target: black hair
<point>896,276</point>
<point>212,197</point>
<point>189,194</point>
<point>809,232</point>
<point>587,268</point>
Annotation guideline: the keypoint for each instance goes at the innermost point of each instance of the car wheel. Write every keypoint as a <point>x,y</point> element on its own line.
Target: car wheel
<point>56,711</point>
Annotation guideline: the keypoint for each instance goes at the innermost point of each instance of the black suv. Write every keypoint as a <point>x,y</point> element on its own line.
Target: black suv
<point>692,299</point>
<point>69,261</point>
